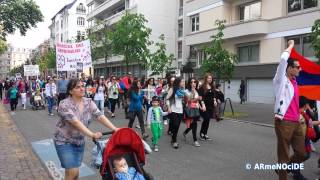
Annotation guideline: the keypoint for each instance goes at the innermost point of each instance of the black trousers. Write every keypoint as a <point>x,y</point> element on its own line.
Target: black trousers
<point>113,103</point>
<point>176,119</point>
<point>0,94</point>
<point>61,97</point>
<point>13,104</point>
<point>139,114</point>
<point>193,127</point>
<point>206,121</point>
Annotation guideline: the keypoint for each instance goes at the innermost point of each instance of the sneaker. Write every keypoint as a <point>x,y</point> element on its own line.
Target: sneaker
<point>112,115</point>
<point>207,138</point>
<point>156,148</point>
<point>138,126</point>
<point>51,114</point>
<point>169,133</point>
<point>13,113</point>
<point>175,145</point>
<point>196,144</point>
<point>165,122</point>
<point>202,137</point>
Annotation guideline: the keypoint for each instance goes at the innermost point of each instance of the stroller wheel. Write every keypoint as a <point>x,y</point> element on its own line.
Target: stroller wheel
<point>147,175</point>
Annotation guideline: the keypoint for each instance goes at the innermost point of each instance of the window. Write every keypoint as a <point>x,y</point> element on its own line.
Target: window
<point>90,8</point>
<point>61,38</point>
<point>81,8</point>
<point>57,25</point>
<point>80,21</point>
<point>201,57</point>
<point>250,11</point>
<point>193,53</point>
<point>180,7</point>
<point>61,24</point>
<point>195,23</point>
<point>179,49</point>
<point>297,5</point>
<point>180,28</point>
<point>302,44</point>
<point>249,52</point>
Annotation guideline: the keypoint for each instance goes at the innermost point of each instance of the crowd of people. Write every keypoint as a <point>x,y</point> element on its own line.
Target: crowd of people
<point>160,103</point>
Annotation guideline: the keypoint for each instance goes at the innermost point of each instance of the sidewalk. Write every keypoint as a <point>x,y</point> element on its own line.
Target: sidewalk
<point>253,112</point>
<point>18,161</point>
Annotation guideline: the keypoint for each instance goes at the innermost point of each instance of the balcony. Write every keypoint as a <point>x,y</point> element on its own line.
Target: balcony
<point>109,21</point>
<point>238,29</point>
<point>105,7</point>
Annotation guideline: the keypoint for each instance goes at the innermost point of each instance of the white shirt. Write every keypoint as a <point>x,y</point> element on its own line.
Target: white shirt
<point>99,96</point>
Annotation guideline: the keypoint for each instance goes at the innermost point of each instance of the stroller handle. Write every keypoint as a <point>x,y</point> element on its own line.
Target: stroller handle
<point>103,134</point>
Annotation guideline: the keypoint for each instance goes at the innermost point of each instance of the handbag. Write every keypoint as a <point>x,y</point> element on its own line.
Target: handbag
<point>191,112</point>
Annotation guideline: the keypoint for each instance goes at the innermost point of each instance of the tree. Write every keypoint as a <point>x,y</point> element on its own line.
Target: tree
<point>159,61</point>
<point>219,60</point>
<point>316,38</point>
<point>101,46</point>
<point>18,14</point>
<point>18,69</point>
<point>3,46</point>
<point>130,39</point>
<point>50,57</point>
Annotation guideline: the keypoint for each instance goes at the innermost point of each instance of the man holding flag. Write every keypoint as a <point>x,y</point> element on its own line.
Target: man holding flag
<point>287,127</point>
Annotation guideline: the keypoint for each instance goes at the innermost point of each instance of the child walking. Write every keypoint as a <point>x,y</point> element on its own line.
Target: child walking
<point>155,118</point>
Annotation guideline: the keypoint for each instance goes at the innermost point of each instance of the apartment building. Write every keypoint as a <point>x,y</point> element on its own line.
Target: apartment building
<point>256,30</point>
<point>69,23</point>
<point>161,16</point>
<point>19,56</point>
<point>5,63</point>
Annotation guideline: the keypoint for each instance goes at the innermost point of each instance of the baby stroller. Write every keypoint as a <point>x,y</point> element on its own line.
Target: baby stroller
<point>36,101</point>
<point>127,143</point>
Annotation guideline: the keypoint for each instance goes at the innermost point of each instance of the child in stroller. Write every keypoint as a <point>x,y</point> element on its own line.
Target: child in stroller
<point>36,101</point>
<point>123,172</point>
<point>125,143</point>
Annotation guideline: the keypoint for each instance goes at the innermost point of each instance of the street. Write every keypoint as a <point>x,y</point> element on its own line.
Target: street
<point>234,145</point>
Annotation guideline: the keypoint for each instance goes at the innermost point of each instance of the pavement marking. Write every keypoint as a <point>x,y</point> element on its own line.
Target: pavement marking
<point>47,152</point>
<point>250,122</point>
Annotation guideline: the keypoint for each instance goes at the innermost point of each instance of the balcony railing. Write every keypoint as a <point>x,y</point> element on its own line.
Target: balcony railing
<point>180,11</point>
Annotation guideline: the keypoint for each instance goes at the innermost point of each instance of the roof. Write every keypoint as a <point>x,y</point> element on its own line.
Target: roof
<point>68,6</point>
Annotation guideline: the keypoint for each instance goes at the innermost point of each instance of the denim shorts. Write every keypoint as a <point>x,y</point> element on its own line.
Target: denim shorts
<point>70,155</point>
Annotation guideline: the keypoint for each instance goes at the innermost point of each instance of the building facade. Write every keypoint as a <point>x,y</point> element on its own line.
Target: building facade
<point>256,31</point>
<point>68,25</point>
<point>5,59</point>
<point>161,16</point>
<point>19,56</point>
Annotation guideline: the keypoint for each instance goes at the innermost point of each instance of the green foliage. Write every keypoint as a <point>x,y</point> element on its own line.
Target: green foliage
<point>101,46</point>
<point>130,39</point>
<point>219,61</point>
<point>15,70</point>
<point>47,61</point>
<point>18,14</point>
<point>316,38</point>
<point>3,46</point>
<point>159,61</point>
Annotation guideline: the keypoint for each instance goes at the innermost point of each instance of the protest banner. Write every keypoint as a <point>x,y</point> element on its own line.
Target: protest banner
<point>69,54</point>
<point>31,70</point>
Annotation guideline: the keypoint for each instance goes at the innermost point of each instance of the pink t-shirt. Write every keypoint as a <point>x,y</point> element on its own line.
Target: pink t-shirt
<point>292,113</point>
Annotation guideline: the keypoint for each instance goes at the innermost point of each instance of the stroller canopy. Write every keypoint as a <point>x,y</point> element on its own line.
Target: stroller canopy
<point>125,140</point>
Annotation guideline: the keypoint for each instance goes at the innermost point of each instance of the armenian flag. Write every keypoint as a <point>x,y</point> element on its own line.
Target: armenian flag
<point>309,77</point>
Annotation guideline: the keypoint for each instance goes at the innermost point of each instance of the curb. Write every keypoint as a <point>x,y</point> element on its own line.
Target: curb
<point>17,130</point>
<point>250,122</point>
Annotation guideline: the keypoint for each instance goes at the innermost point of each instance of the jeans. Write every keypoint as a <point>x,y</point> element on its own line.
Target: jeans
<point>176,119</point>
<point>139,114</point>
<point>112,104</point>
<point>70,155</point>
<point>100,105</point>
<point>50,101</point>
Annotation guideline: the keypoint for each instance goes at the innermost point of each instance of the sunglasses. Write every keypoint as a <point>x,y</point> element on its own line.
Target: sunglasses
<point>298,67</point>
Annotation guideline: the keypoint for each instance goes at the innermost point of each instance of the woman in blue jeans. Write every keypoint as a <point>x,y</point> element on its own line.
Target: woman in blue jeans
<point>136,97</point>
<point>100,95</point>
<point>76,112</point>
<point>51,92</point>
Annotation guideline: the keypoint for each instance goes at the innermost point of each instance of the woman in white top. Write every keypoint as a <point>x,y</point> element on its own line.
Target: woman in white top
<point>175,107</point>
<point>113,93</point>
<point>100,95</point>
